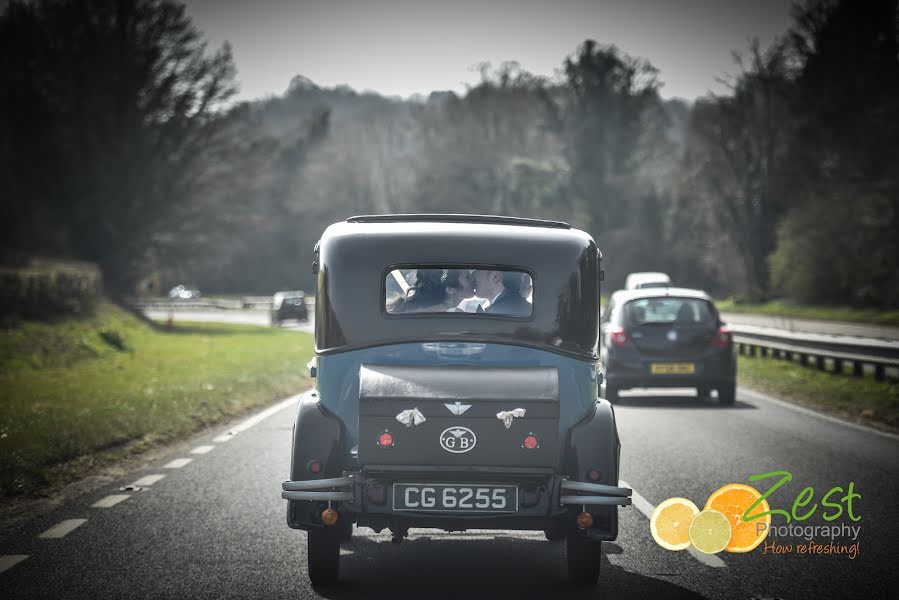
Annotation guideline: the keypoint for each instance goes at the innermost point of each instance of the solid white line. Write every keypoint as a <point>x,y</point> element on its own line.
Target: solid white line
<point>202,449</point>
<point>147,480</point>
<point>259,417</point>
<point>223,438</point>
<point>820,415</point>
<point>178,463</point>
<point>63,528</point>
<point>8,561</point>
<point>646,507</point>
<point>110,501</point>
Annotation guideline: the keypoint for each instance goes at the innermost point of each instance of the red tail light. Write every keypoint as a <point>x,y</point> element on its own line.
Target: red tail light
<point>618,336</point>
<point>385,439</point>
<point>722,338</point>
<point>530,442</point>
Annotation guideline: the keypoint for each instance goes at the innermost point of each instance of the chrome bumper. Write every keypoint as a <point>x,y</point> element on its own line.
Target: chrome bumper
<point>595,494</point>
<point>337,489</point>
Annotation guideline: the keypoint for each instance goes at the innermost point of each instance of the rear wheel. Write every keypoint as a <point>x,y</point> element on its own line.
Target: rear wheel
<point>727,394</point>
<point>555,533</point>
<point>583,560</point>
<point>346,529</point>
<point>323,555</point>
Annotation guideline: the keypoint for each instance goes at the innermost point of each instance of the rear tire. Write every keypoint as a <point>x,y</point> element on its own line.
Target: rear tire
<point>727,394</point>
<point>346,529</point>
<point>555,533</point>
<point>323,555</point>
<point>584,560</point>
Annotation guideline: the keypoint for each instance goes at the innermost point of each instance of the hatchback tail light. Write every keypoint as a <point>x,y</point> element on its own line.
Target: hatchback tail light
<point>721,339</point>
<point>618,336</point>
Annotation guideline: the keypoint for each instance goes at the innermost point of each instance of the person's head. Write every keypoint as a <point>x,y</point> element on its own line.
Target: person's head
<point>491,283</point>
<point>527,287</point>
<point>459,284</point>
<point>428,288</point>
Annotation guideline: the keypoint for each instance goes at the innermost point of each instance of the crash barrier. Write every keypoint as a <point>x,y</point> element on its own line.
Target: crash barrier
<point>183,305</point>
<point>818,350</point>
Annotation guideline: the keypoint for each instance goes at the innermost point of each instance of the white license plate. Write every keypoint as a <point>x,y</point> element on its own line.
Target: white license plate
<point>455,497</point>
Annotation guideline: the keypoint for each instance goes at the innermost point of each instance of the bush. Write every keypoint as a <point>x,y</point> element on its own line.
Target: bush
<point>47,290</point>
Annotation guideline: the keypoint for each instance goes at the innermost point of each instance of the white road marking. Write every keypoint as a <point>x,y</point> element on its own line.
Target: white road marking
<point>801,409</point>
<point>8,561</point>
<point>110,501</point>
<point>62,529</point>
<point>646,507</point>
<point>259,417</point>
<point>147,480</point>
<point>223,438</point>
<point>202,449</point>
<point>178,463</point>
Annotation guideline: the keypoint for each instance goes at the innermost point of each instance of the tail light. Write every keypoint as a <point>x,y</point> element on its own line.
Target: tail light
<point>722,338</point>
<point>531,442</point>
<point>385,439</point>
<point>618,336</point>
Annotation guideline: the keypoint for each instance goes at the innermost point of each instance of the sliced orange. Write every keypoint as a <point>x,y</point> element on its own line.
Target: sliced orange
<point>670,523</point>
<point>732,500</point>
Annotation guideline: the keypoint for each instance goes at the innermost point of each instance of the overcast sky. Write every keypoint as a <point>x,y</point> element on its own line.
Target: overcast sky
<point>405,47</point>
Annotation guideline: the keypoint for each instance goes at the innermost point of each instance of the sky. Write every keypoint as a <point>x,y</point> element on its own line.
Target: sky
<point>402,47</point>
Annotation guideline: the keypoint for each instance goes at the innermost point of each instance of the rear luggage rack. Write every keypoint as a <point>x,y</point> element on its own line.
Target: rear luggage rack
<point>458,218</point>
<point>606,495</point>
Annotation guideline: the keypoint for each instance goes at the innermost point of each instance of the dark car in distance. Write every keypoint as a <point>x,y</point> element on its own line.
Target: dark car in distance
<point>289,305</point>
<point>427,413</point>
<point>666,337</point>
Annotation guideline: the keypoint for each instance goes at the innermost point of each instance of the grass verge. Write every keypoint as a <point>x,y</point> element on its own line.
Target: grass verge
<point>826,313</point>
<point>81,393</point>
<point>861,400</point>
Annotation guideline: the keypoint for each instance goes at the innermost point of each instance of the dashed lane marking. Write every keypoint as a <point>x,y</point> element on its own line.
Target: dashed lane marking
<point>110,501</point>
<point>63,528</point>
<point>202,449</point>
<point>178,463</point>
<point>8,561</point>
<point>646,507</point>
<point>147,481</point>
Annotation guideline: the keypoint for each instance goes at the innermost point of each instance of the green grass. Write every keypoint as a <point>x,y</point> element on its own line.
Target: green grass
<point>79,393</point>
<point>860,400</point>
<point>801,311</point>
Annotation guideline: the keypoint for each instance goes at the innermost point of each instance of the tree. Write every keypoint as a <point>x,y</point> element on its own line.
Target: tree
<point>735,166</point>
<point>112,114</point>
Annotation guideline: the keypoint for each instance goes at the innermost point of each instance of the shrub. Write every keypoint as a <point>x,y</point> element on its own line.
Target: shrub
<point>46,290</point>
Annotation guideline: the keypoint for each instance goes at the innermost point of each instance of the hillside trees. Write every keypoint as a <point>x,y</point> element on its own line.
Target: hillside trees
<point>111,112</point>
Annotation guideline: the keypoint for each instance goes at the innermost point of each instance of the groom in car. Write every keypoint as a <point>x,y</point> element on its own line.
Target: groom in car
<point>503,290</point>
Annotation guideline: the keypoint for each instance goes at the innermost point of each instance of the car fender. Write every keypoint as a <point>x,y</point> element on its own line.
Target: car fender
<point>318,434</point>
<point>593,444</point>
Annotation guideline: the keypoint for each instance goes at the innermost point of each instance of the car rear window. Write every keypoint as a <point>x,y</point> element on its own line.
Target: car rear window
<point>467,289</point>
<point>668,310</point>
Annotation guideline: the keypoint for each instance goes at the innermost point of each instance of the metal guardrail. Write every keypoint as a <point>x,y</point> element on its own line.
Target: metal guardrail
<point>818,349</point>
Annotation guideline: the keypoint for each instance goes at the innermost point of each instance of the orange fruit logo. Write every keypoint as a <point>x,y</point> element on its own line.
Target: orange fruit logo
<point>732,500</point>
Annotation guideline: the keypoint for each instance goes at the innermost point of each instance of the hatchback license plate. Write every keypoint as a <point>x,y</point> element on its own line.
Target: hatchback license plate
<point>456,497</point>
<point>672,368</point>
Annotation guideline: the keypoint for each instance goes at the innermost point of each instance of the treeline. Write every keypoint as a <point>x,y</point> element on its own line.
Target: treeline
<point>119,145</point>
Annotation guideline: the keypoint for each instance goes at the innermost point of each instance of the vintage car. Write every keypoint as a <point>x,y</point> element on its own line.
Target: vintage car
<point>428,414</point>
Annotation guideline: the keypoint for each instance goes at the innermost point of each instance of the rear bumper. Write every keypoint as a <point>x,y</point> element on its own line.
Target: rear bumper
<point>551,499</point>
<point>711,370</point>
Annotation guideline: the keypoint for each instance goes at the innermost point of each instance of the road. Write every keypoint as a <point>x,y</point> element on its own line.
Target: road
<point>215,526</point>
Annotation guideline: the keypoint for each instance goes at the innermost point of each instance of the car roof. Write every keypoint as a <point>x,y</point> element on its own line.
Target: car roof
<point>458,218</point>
<point>677,292</point>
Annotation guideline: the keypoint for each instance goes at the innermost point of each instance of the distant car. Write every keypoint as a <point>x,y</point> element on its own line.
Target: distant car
<point>289,305</point>
<point>666,337</point>
<point>639,281</point>
<point>180,292</point>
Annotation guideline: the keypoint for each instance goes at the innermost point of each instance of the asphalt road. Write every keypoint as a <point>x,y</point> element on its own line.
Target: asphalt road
<point>215,527</point>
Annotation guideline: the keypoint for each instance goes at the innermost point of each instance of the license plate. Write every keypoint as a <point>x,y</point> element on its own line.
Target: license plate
<point>672,368</point>
<point>463,498</point>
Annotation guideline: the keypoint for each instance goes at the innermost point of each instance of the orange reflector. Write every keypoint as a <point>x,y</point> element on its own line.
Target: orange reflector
<point>329,516</point>
<point>584,520</point>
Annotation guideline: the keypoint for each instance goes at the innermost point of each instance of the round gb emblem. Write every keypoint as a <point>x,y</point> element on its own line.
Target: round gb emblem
<point>458,439</point>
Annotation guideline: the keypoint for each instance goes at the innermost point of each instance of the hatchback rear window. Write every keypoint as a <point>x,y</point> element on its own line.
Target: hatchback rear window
<point>668,310</point>
<point>459,289</point>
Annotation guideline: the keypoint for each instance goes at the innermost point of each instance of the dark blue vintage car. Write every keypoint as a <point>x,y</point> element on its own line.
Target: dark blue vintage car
<point>457,387</point>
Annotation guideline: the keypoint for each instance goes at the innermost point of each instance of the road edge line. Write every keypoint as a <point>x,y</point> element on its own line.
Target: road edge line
<point>646,507</point>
